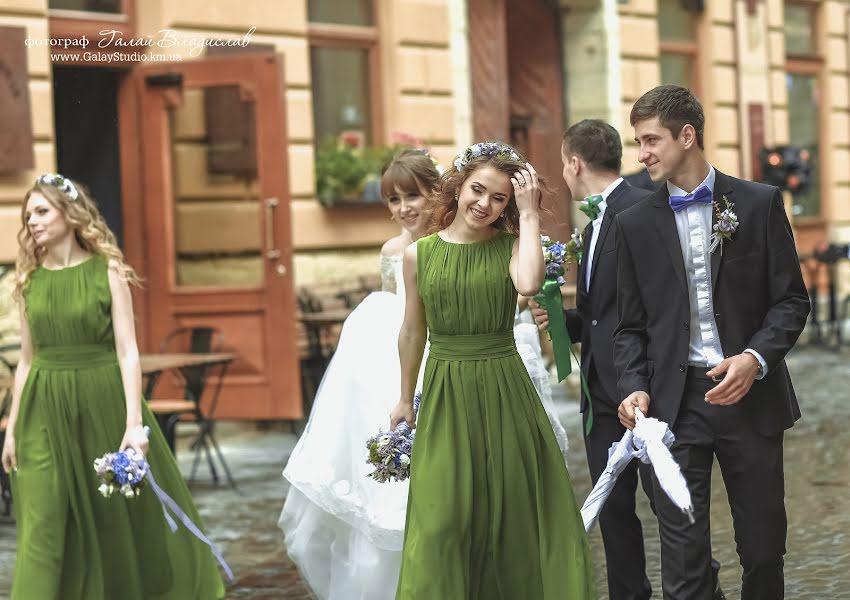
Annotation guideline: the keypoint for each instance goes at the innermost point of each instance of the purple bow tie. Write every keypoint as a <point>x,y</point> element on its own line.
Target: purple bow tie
<point>702,195</point>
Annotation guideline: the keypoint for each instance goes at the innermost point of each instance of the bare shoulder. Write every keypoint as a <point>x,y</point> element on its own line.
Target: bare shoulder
<point>410,261</point>
<point>394,246</point>
<point>410,253</point>
<point>117,279</point>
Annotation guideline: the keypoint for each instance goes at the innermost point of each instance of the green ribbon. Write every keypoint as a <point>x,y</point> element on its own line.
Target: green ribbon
<point>550,299</point>
<point>588,425</point>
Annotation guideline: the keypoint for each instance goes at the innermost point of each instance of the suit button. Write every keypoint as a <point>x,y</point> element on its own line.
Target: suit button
<point>687,326</point>
<point>682,367</point>
<point>594,322</point>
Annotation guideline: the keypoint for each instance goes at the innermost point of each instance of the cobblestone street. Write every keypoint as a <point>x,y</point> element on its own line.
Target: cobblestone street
<point>817,453</point>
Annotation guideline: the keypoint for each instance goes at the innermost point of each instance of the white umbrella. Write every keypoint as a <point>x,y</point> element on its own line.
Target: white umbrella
<point>619,455</point>
<point>653,439</point>
<point>649,442</point>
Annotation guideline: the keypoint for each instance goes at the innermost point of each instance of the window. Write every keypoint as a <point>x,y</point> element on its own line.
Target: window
<point>802,81</point>
<point>677,34</point>
<point>344,65</point>
<point>799,30</point>
<point>95,6</point>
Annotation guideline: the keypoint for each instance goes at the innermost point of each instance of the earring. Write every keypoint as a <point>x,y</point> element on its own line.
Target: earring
<point>502,216</point>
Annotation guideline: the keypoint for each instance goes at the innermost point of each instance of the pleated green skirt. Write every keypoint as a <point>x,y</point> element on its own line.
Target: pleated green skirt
<point>491,513</point>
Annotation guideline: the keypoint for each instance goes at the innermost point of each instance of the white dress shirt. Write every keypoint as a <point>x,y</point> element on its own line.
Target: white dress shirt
<point>597,223</point>
<point>694,226</point>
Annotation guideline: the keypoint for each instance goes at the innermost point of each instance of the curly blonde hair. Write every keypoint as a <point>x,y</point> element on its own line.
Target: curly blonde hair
<point>446,195</point>
<point>90,230</point>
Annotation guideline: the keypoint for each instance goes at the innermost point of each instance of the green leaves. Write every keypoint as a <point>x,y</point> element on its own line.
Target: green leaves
<point>342,169</point>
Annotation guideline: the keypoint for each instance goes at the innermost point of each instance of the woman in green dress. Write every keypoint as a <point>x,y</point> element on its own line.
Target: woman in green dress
<point>77,395</point>
<point>491,512</point>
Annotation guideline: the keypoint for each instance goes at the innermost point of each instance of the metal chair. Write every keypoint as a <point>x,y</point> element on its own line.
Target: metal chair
<point>193,380</point>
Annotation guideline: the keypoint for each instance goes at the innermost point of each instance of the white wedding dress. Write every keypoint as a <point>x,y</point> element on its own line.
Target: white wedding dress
<point>342,529</point>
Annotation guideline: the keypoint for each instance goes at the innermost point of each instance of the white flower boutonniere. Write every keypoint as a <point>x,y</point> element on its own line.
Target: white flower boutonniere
<point>726,225</point>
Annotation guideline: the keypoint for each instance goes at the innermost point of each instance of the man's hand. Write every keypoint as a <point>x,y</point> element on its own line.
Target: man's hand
<point>626,412</point>
<point>541,317</point>
<point>740,372</point>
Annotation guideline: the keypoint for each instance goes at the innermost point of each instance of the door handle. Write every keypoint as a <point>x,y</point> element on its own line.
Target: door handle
<point>272,252</point>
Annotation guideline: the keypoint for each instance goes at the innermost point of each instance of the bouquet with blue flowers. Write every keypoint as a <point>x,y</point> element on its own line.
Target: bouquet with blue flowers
<point>558,257</point>
<point>128,472</point>
<point>390,451</point>
<point>121,471</point>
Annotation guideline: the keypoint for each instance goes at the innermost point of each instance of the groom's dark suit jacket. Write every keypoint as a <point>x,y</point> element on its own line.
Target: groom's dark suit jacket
<point>593,320</point>
<point>760,301</point>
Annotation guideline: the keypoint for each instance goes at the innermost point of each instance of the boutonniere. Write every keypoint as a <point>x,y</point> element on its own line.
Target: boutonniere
<point>575,247</point>
<point>726,225</point>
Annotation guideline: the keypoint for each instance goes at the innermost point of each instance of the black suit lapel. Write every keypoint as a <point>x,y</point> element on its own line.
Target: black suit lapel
<point>603,231</point>
<point>585,246</point>
<point>665,222</point>
<point>605,226</point>
<point>722,187</point>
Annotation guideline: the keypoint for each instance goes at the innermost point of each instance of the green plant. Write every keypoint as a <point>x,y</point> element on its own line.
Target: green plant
<point>342,170</point>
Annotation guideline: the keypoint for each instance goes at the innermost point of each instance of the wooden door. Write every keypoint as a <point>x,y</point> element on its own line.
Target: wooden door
<point>217,221</point>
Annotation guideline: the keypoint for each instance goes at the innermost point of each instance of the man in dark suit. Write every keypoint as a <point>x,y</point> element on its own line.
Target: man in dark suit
<point>592,155</point>
<point>705,296</point>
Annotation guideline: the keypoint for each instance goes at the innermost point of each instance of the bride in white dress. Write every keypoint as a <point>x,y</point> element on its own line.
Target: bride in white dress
<point>341,528</point>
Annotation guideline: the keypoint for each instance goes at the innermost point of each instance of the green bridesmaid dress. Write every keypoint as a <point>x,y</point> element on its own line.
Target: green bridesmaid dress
<point>491,513</point>
<point>72,543</point>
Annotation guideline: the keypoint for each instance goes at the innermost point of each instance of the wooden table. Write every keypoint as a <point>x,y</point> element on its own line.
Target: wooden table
<point>154,364</point>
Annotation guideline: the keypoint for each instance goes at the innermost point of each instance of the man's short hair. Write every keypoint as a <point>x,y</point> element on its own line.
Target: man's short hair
<point>674,106</point>
<point>597,144</point>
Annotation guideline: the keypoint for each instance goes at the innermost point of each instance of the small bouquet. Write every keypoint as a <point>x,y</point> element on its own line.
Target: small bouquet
<point>389,451</point>
<point>558,257</point>
<point>121,471</point>
<point>128,472</point>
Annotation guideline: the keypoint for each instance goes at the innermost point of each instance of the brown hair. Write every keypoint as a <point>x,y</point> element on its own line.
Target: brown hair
<point>674,106</point>
<point>412,171</point>
<point>596,143</point>
<point>445,197</point>
<point>90,231</point>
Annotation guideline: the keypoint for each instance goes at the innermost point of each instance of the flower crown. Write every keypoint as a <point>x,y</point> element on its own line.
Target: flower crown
<point>489,149</point>
<point>63,184</point>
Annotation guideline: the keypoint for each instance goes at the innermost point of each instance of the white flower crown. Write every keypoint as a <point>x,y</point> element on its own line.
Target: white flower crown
<point>63,184</point>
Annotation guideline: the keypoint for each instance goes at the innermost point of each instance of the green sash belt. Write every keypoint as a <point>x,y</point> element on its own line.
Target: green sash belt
<point>74,357</point>
<point>472,347</point>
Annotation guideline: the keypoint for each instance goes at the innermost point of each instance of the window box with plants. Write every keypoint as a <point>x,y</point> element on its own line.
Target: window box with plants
<point>348,173</point>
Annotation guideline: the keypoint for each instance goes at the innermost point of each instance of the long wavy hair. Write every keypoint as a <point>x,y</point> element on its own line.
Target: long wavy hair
<point>90,231</point>
<point>446,195</point>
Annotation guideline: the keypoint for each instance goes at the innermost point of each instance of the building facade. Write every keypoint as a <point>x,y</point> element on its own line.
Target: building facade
<point>202,139</point>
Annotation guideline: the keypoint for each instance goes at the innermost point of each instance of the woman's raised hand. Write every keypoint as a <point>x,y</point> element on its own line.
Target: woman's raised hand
<point>526,190</point>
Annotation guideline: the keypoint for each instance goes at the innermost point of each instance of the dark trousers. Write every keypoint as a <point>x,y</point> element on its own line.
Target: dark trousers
<point>751,465</point>
<point>622,534</point>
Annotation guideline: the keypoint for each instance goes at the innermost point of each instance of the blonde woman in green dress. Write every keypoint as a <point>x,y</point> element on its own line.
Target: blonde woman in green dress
<point>77,395</point>
<point>491,511</point>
